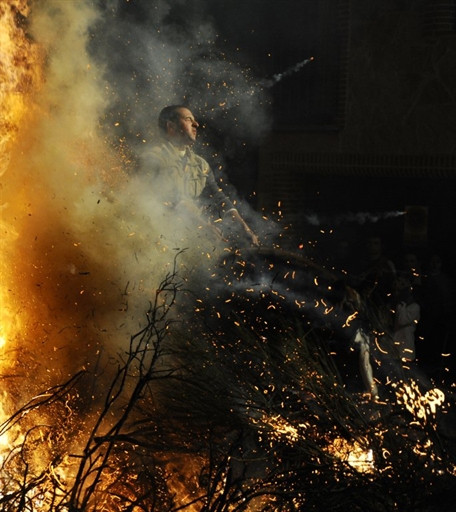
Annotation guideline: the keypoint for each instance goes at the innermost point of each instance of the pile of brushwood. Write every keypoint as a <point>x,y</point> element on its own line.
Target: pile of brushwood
<point>235,404</point>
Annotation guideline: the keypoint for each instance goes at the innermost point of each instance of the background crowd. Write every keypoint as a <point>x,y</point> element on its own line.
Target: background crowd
<point>417,290</point>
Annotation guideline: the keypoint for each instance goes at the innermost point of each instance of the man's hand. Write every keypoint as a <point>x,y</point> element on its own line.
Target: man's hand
<point>235,217</point>
<point>253,237</point>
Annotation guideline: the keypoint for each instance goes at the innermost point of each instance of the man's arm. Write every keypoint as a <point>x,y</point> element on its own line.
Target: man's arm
<point>217,201</point>
<point>236,217</point>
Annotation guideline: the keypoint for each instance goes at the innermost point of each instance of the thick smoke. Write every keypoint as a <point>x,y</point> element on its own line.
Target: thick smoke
<point>91,239</point>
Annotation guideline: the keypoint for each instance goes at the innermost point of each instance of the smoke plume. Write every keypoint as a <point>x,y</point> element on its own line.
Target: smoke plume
<point>86,232</point>
<point>288,72</point>
<point>351,217</point>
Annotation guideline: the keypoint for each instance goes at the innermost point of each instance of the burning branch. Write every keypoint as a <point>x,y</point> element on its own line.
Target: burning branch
<point>127,389</point>
<point>236,409</point>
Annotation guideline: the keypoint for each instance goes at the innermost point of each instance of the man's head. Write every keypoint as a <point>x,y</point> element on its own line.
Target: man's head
<point>177,124</point>
<point>374,247</point>
<point>403,281</point>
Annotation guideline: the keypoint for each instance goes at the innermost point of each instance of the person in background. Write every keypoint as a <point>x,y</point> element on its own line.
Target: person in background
<point>438,313</point>
<point>411,263</point>
<point>378,272</point>
<point>406,315</point>
<point>185,181</point>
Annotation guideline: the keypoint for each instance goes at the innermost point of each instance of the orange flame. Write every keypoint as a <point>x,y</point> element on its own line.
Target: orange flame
<point>20,76</point>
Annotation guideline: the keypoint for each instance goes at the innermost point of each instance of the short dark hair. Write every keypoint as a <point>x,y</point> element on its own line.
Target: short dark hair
<point>168,113</point>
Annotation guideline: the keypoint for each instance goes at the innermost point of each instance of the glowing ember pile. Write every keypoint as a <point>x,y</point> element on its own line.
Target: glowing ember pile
<point>224,393</point>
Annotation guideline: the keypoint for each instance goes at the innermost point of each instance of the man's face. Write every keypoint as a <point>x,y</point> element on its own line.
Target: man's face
<point>184,129</point>
<point>374,247</point>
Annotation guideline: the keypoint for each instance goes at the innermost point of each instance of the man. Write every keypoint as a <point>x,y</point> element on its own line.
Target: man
<point>407,314</point>
<point>378,272</point>
<point>184,180</point>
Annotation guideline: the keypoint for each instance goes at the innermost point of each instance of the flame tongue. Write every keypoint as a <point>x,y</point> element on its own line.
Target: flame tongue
<point>20,73</point>
<point>20,76</point>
